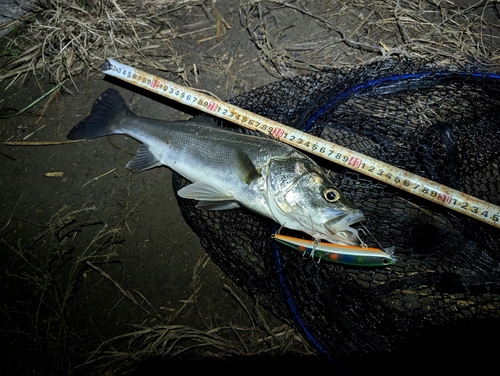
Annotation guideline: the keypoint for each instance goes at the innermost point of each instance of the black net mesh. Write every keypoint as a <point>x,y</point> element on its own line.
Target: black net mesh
<point>444,290</point>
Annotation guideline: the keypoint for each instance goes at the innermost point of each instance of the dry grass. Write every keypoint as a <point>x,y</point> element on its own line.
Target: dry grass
<point>65,38</point>
<point>44,274</point>
<point>39,284</point>
<point>360,31</point>
<point>160,336</point>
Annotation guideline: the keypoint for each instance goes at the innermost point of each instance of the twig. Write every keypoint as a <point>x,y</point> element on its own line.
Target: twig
<point>349,42</point>
<point>32,133</point>
<point>51,99</point>
<point>240,302</point>
<point>35,102</point>
<point>7,156</point>
<point>100,176</point>
<point>221,21</point>
<point>40,143</point>
<point>127,294</point>
<point>15,207</point>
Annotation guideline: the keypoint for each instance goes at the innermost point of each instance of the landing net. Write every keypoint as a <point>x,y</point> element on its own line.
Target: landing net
<point>443,293</point>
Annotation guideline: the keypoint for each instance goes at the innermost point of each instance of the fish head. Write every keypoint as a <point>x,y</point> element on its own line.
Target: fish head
<point>302,197</point>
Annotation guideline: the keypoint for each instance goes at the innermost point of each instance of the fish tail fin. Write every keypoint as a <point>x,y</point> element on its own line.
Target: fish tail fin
<point>102,120</point>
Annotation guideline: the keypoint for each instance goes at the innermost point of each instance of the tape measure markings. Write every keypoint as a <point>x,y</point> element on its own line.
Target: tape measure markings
<point>422,187</point>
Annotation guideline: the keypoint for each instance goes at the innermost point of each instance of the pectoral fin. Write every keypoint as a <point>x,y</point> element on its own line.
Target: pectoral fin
<point>210,197</point>
<point>245,166</point>
<point>144,160</point>
<point>217,205</point>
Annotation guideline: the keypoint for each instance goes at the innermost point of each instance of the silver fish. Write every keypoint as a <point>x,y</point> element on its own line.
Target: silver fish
<point>229,169</point>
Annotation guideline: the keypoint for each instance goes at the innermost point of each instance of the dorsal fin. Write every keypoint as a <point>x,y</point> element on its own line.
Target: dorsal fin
<point>205,119</point>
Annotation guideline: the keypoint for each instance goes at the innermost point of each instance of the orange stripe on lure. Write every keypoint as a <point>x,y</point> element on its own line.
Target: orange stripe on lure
<point>342,254</point>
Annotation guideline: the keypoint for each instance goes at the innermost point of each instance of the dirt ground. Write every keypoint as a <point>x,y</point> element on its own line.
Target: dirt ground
<point>126,260</point>
<point>154,254</point>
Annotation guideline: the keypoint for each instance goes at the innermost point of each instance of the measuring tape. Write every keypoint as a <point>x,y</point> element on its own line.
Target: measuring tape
<point>417,185</point>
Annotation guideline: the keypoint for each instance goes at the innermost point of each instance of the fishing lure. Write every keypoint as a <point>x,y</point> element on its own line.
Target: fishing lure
<point>342,254</point>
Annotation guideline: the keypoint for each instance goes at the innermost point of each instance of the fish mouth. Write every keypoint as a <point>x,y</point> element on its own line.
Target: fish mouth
<point>340,228</point>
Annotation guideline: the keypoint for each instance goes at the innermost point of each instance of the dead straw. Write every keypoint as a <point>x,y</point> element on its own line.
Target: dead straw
<point>125,293</point>
<point>40,143</point>
<point>363,31</point>
<point>65,38</point>
<point>100,176</point>
<point>171,340</point>
<point>41,278</point>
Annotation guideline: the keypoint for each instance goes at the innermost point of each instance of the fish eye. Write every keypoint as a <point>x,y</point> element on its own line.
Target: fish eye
<point>331,195</point>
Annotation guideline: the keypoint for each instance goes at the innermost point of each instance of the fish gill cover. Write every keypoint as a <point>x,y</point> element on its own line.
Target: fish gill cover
<point>444,290</point>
